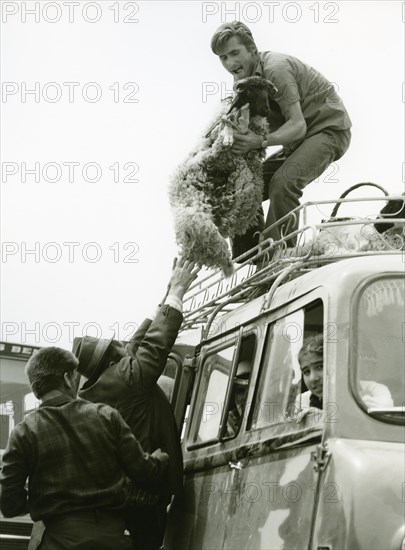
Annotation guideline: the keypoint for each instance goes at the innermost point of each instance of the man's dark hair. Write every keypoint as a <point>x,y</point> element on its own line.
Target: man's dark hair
<point>46,368</point>
<point>229,30</point>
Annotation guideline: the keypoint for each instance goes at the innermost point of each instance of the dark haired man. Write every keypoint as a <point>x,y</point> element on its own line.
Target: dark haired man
<point>76,456</point>
<point>127,379</point>
<point>307,118</point>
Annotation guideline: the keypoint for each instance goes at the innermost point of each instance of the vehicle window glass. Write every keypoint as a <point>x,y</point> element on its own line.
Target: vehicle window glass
<point>214,401</point>
<point>217,389</point>
<point>280,385</point>
<point>379,346</point>
<point>214,383</point>
<point>280,373</point>
<point>238,404</point>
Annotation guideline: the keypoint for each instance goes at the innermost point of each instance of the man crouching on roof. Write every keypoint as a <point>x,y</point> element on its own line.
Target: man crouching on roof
<point>126,378</point>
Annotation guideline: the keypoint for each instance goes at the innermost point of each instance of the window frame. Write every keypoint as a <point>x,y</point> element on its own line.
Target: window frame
<point>280,419</point>
<point>354,344</point>
<point>202,383</point>
<point>250,330</point>
<point>259,326</point>
<point>235,338</point>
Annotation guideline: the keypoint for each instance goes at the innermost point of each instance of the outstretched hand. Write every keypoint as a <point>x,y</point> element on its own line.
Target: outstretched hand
<point>184,273</point>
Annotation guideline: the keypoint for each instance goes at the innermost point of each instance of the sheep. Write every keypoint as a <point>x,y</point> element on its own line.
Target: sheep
<point>215,194</point>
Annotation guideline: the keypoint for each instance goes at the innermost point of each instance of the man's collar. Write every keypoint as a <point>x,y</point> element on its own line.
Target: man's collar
<point>258,69</point>
<point>55,398</point>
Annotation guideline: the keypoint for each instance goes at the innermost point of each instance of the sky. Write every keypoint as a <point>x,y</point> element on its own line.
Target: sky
<point>100,103</point>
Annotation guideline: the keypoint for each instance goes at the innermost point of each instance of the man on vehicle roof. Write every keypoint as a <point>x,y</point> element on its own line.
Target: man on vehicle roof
<point>307,118</point>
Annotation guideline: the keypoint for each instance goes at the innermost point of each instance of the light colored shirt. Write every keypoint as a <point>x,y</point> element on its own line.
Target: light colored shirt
<point>373,394</point>
<point>171,300</point>
<point>296,81</point>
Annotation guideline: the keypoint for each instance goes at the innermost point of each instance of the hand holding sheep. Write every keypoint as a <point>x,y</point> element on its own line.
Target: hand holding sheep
<point>243,143</point>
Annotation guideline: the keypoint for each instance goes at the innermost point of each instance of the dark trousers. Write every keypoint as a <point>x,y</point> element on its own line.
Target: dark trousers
<point>86,530</point>
<point>146,525</point>
<point>285,179</point>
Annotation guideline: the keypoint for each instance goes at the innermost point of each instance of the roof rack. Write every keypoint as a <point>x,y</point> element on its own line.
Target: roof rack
<point>316,244</point>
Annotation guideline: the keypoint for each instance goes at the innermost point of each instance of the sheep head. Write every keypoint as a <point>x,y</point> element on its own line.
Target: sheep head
<point>255,91</point>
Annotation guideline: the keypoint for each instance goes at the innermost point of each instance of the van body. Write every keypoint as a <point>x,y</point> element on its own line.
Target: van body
<point>286,478</point>
<point>266,472</point>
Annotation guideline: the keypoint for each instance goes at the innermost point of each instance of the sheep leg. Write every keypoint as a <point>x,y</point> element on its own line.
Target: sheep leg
<point>244,118</point>
<point>229,125</point>
<point>229,122</point>
<point>228,136</point>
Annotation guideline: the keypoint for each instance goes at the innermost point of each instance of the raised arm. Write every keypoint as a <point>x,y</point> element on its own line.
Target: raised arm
<point>133,345</point>
<point>142,370</point>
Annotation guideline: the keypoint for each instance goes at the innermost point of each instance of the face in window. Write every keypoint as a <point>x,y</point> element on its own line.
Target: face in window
<point>240,395</point>
<point>241,383</point>
<point>312,372</point>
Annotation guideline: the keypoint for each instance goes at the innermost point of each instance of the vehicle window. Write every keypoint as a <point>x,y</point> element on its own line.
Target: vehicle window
<point>280,383</point>
<point>239,387</point>
<point>379,345</point>
<point>279,370</point>
<point>216,371</point>
<point>223,392</point>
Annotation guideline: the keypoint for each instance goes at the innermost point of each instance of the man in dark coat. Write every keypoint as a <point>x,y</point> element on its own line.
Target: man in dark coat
<point>76,456</point>
<point>126,378</point>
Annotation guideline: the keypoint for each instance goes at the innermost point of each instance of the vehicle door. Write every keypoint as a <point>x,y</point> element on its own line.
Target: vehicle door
<point>271,491</point>
<point>193,522</point>
<point>254,487</point>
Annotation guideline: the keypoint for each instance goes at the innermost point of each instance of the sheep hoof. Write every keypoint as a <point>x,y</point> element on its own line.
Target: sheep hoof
<point>228,270</point>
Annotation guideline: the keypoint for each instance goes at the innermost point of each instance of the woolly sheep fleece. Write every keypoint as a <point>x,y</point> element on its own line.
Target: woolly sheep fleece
<point>215,194</point>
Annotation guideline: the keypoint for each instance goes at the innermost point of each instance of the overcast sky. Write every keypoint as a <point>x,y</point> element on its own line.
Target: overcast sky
<point>101,102</point>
